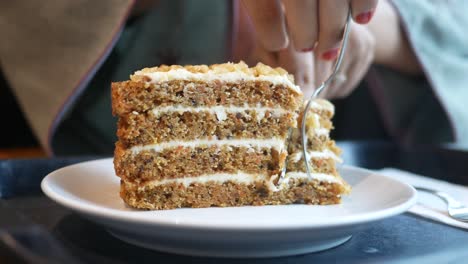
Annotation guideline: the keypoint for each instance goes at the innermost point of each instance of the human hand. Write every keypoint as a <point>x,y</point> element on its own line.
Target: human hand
<point>309,72</point>
<point>310,25</point>
<point>299,64</point>
<point>358,57</point>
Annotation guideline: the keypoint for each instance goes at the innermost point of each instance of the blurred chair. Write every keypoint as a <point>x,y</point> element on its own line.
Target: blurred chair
<point>16,137</point>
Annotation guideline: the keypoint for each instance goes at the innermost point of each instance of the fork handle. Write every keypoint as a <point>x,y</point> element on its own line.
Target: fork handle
<point>451,202</point>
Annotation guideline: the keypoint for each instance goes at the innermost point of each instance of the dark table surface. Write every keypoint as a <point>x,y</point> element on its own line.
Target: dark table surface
<point>33,229</point>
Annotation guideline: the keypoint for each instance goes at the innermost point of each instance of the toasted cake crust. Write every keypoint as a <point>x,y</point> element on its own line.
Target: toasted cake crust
<point>258,70</point>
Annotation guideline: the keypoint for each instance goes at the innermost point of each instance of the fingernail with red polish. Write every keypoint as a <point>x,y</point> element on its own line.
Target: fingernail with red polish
<point>365,17</point>
<point>330,54</point>
<point>308,49</point>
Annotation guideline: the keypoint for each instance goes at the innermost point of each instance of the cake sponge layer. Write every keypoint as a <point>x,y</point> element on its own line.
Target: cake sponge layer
<point>155,126</point>
<point>183,162</point>
<point>170,196</point>
<point>129,96</point>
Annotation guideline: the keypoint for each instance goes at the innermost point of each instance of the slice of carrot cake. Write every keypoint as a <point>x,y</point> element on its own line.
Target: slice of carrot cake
<point>200,136</point>
<point>322,156</point>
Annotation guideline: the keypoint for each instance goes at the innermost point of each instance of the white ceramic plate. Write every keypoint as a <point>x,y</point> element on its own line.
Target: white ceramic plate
<point>92,189</point>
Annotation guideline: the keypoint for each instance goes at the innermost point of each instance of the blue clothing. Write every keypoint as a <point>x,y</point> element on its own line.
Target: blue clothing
<point>434,109</point>
<point>175,32</point>
<point>429,109</point>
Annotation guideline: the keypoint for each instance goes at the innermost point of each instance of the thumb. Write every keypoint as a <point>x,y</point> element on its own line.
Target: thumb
<point>300,64</point>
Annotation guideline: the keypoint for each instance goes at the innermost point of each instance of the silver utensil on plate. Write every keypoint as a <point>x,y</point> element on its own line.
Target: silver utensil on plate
<point>322,87</point>
<point>456,209</point>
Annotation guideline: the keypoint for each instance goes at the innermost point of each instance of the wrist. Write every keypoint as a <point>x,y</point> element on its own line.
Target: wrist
<point>392,47</point>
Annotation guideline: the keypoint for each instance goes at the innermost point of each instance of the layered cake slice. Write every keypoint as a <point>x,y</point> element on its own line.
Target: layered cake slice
<point>201,136</point>
<point>325,185</point>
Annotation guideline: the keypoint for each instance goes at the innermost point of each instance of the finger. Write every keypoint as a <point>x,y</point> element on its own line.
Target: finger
<point>341,85</point>
<point>325,69</point>
<point>260,54</point>
<point>302,21</point>
<point>354,75</point>
<point>340,82</point>
<point>332,20</point>
<point>300,64</point>
<point>322,70</point>
<point>245,40</point>
<point>363,10</point>
<point>268,19</point>
<point>359,65</point>
<point>342,77</point>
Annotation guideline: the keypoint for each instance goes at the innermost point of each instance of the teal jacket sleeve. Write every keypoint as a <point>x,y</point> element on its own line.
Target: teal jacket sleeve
<point>433,109</point>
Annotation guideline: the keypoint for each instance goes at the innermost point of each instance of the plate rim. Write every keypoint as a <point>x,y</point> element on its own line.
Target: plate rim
<point>103,212</point>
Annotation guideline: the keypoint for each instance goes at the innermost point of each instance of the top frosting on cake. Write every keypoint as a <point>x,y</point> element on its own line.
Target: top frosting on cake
<point>229,72</point>
<point>321,104</point>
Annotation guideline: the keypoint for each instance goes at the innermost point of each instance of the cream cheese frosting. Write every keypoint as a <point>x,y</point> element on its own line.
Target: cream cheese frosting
<point>242,178</point>
<point>221,111</point>
<point>324,154</point>
<point>210,75</point>
<point>275,143</point>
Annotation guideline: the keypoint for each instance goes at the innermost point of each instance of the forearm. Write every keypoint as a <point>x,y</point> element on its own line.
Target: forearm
<point>392,47</point>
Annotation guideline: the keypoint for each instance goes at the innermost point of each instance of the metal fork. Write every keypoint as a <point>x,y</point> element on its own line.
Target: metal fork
<point>322,87</point>
<point>456,209</point>
<point>314,95</point>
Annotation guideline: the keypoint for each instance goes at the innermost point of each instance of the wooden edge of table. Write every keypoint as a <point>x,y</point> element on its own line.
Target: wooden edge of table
<point>16,153</point>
